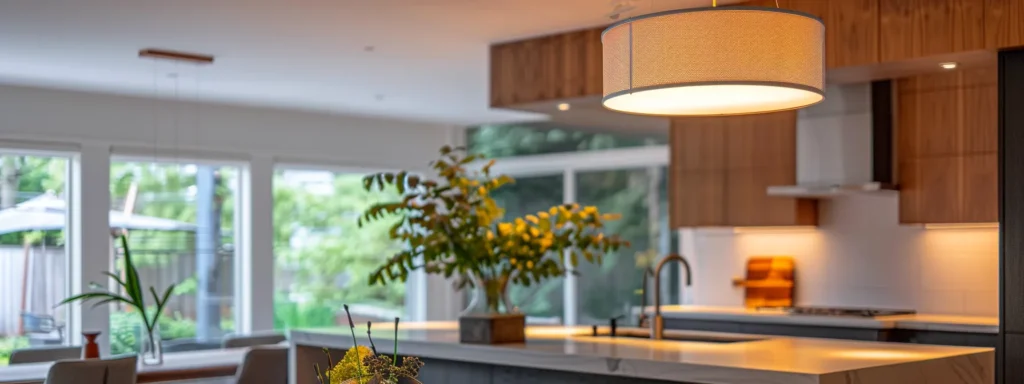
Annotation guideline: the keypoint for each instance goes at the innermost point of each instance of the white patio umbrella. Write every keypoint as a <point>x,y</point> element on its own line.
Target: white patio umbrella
<point>48,212</point>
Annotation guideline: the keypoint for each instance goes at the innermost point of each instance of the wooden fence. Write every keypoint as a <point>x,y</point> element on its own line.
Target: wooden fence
<point>46,283</point>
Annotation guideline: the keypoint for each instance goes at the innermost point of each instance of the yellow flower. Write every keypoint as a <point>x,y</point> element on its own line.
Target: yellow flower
<point>543,215</point>
<point>490,235</point>
<point>529,264</point>
<point>534,232</point>
<point>590,209</point>
<point>481,190</point>
<point>504,228</point>
<point>526,237</point>
<point>348,368</point>
<point>553,211</point>
<point>545,242</point>
<point>513,261</point>
<point>532,219</point>
<point>520,225</point>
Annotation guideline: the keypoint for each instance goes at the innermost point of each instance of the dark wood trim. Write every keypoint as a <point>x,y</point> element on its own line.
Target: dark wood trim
<point>882,137</point>
<point>1010,348</point>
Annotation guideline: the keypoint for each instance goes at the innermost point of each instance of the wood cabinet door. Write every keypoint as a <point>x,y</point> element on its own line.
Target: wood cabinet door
<point>919,28</point>
<point>1004,23</point>
<point>851,33</point>
<point>980,189</point>
<point>696,198</point>
<point>697,143</point>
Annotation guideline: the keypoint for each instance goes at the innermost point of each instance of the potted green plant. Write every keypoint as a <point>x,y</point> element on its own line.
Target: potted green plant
<point>452,226</point>
<point>134,297</point>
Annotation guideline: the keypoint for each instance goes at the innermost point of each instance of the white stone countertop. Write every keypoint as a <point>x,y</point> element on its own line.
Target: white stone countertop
<point>765,361</point>
<point>945,323</point>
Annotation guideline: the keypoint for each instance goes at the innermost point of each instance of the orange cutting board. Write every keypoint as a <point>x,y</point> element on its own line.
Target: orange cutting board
<point>769,282</point>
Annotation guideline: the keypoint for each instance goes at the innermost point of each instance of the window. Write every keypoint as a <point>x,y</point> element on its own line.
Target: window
<point>33,256</point>
<point>507,140</point>
<point>624,173</point>
<point>613,288</point>
<point>543,302</point>
<point>322,258</point>
<point>180,220</point>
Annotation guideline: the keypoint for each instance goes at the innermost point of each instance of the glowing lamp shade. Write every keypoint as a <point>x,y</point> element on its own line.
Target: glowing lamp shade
<point>714,61</point>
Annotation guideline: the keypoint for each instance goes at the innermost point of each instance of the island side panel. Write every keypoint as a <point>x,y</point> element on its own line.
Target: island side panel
<point>447,371</point>
<point>977,368</point>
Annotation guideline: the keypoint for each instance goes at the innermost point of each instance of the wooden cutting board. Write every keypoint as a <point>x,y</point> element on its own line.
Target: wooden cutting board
<point>769,282</point>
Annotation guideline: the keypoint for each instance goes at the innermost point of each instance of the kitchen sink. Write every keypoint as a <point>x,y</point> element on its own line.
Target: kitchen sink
<point>688,336</point>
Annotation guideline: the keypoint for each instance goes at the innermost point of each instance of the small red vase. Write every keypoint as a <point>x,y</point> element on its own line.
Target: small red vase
<point>90,350</point>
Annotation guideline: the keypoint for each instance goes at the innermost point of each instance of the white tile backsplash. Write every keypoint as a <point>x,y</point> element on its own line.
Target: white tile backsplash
<point>860,256</point>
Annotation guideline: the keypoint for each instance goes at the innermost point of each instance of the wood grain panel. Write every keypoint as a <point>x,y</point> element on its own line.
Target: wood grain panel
<point>697,198</point>
<point>740,141</point>
<point>980,189</point>
<point>910,192</point>
<point>774,140</point>
<point>1004,23</point>
<point>817,8</point>
<point>920,28</point>
<point>980,119</point>
<point>938,115</point>
<point>852,33</point>
<point>897,22</point>
<point>698,143</point>
<point>939,184</point>
<point>554,67</point>
<point>906,119</point>
<point>743,197</point>
<point>947,140</point>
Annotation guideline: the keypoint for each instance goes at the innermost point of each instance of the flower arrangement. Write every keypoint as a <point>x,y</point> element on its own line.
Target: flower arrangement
<point>362,365</point>
<point>453,226</point>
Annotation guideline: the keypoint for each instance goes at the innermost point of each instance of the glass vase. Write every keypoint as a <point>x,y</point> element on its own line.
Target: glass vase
<point>488,296</point>
<point>150,350</point>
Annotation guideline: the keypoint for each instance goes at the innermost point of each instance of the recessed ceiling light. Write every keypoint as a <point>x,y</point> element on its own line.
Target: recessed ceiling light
<point>563,107</point>
<point>949,65</point>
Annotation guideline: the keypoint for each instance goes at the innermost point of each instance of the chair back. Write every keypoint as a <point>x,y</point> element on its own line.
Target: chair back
<point>186,345</point>
<point>109,371</point>
<point>45,354</point>
<point>253,339</point>
<point>263,365</point>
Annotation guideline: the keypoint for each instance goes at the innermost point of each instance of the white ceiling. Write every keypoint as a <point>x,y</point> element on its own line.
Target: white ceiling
<point>429,57</point>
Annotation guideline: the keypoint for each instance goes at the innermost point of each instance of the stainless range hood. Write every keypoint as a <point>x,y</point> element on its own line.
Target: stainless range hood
<point>844,144</point>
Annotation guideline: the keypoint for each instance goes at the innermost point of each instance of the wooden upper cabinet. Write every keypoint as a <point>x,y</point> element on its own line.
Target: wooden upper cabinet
<point>1004,23</point>
<point>919,28</point>
<point>720,169</point>
<point>546,68</point>
<point>852,33</point>
<point>947,145</point>
<point>851,28</point>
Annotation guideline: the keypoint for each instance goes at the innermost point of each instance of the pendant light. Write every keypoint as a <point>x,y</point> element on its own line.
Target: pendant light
<point>711,61</point>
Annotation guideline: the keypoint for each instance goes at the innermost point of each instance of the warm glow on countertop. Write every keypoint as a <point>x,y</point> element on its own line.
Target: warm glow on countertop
<point>777,354</point>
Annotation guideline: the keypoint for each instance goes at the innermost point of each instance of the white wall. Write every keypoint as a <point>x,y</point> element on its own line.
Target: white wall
<point>140,124</point>
<point>860,256</point>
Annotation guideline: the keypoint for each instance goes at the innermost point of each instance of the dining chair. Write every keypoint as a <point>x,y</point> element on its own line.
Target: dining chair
<point>45,354</point>
<point>252,339</point>
<point>107,371</point>
<point>188,345</point>
<point>263,365</point>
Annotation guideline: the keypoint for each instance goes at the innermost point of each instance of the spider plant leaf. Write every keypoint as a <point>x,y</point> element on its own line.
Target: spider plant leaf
<point>116,278</point>
<point>133,286</point>
<point>161,302</point>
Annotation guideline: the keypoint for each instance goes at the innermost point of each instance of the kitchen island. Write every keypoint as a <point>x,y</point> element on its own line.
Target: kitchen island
<point>573,355</point>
